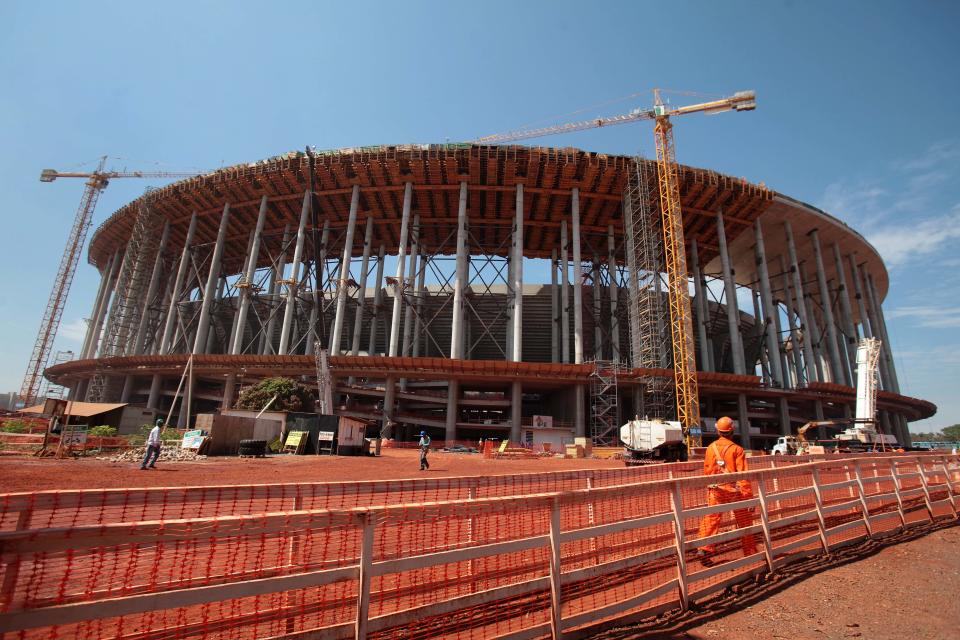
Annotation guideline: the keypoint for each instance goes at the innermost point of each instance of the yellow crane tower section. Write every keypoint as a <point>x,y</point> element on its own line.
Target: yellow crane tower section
<point>97,181</point>
<point>681,324</point>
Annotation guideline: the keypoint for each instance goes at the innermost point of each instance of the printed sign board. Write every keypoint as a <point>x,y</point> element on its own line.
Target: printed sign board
<point>73,437</point>
<point>325,436</point>
<point>294,438</point>
<point>192,439</point>
<point>504,445</point>
<point>543,422</point>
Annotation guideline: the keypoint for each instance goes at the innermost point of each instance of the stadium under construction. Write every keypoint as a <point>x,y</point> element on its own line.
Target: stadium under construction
<point>482,291</point>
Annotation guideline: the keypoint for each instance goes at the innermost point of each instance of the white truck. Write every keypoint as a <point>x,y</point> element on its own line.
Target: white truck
<point>650,441</point>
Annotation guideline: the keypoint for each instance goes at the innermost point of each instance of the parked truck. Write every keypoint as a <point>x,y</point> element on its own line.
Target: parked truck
<point>651,441</point>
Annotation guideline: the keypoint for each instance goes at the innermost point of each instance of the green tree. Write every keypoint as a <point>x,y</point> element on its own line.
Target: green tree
<point>952,432</point>
<point>290,396</point>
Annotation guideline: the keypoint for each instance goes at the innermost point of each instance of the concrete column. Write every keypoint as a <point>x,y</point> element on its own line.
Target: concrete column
<point>401,265</point>
<point>846,312</point>
<point>413,269</point>
<point>317,294</point>
<point>377,300</point>
<point>153,399</point>
<point>169,325</point>
<point>577,279</point>
<point>361,296</point>
<point>345,272</point>
<point>836,365</point>
<point>141,335</point>
<point>98,303</point>
<point>810,360</point>
<point>799,370</point>
<point>516,410</point>
<point>213,278</point>
<point>823,369</point>
<point>771,332</point>
<point>127,391</point>
<point>508,343</point>
<point>105,308</point>
<point>554,309</point>
<point>229,386</point>
<point>453,394</point>
<point>702,307</point>
<point>819,415</point>
<point>743,421</point>
<point>882,325</point>
<point>564,294</point>
<point>866,330</point>
<point>783,409</point>
<point>597,329</point>
<point>459,280</point>
<point>235,303</point>
<point>517,349</point>
<point>275,275</point>
<point>285,330</point>
<point>418,340</point>
<point>759,331</point>
<point>580,411</point>
<point>614,315</point>
<point>248,276</point>
<point>733,312</point>
<point>389,402</point>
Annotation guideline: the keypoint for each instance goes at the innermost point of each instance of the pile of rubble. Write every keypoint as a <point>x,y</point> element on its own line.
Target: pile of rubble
<point>167,454</point>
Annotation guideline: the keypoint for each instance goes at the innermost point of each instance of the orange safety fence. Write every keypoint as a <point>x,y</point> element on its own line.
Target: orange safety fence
<point>65,508</point>
<point>477,567</point>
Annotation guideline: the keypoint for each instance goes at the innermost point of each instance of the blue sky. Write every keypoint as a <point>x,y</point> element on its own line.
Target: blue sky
<point>857,114</point>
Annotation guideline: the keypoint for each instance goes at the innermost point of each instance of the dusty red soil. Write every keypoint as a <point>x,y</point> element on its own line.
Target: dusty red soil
<point>902,587</point>
<point>35,474</point>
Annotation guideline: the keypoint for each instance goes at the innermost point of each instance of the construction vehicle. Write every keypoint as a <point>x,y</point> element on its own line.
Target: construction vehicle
<point>668,179</point>
<point>862,434</point>
<point>650,441</point>
<point>97,181</point>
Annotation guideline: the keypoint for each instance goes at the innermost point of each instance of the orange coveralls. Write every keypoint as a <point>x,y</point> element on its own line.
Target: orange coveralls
<point>734,460</point>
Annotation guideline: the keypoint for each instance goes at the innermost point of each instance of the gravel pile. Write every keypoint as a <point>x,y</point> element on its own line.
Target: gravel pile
<point>167,454</point>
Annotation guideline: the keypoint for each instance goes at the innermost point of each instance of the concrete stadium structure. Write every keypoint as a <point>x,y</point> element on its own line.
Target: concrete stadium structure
<point>469,289</point>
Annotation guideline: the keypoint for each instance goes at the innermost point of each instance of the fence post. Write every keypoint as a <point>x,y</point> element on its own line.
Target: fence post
<point>676,504</point>
<point>366,563</point>
<point>946,476</point>
<point>555,571</point>
<point>472,531</point>
<point>926,489</point>
<point>896,491</point>
<point>765,521</point>
<point>12,570</point>
<point>818,500</point>
<point>863,498</point>
<point>293,552</point>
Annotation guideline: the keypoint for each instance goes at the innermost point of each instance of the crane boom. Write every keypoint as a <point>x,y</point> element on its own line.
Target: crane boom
<point>674,246</point>
<point>97,181</point>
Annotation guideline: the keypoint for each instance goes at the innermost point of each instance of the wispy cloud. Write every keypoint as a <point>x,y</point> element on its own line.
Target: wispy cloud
<point>930,316</point>
<point>73,331</point>
<point>899,244</point>
<point>937,154</point>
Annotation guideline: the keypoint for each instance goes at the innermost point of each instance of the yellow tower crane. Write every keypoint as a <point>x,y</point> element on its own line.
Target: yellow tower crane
<point>668,172</point>
<point>97,181</point>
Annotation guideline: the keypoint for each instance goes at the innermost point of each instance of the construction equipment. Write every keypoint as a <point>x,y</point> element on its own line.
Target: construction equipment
<point>681,325</point>
<point>649,441</point>
<point>863,432</point>
<point>97,181</point>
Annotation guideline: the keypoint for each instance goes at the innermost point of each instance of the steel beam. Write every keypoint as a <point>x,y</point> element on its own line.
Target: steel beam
<point>343,282</point>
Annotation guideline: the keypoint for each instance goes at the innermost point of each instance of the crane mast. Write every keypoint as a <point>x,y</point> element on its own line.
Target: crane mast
<point>97,181</point>
<point>674,246</point>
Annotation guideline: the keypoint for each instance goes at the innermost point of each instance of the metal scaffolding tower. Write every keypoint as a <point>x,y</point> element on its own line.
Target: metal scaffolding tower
<point>604,418</point>
<point>649,346</point>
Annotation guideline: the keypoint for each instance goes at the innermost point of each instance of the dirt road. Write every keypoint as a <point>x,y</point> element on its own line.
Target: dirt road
<point>903,587</point>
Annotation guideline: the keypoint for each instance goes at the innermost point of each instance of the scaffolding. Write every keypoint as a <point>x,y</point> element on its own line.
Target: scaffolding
<point>604,405</point>
<point>649,348</point>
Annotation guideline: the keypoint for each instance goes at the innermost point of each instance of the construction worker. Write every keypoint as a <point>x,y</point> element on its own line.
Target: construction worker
<point>424,449</point>
<point>725,456</point>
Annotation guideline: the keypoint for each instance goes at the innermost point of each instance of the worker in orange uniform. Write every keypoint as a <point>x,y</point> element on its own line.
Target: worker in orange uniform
<point>725,456</point>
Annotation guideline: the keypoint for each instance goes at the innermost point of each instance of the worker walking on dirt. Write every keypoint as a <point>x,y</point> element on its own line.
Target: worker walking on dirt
<point>726,456</point>
<point>424,449</point>
<point>153,447</point>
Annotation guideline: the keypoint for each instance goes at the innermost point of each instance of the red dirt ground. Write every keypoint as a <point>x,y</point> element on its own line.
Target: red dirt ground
<point>903,587</point>
<point>36,474</point>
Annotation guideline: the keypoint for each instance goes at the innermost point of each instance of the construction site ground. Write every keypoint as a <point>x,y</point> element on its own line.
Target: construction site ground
<point>901,586</point>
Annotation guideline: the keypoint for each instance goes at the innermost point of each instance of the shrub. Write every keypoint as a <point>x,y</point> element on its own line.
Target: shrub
<point>103,431</point>
<point>139,438</point>
<point>291,396</point>
<point>15,426</point>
